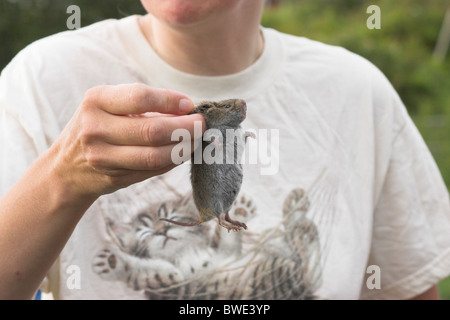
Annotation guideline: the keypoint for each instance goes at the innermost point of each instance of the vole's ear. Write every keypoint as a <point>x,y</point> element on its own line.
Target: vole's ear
<point>201,108</point>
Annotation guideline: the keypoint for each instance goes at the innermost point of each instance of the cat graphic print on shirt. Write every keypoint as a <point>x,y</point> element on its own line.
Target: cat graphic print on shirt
<point>167,261</point>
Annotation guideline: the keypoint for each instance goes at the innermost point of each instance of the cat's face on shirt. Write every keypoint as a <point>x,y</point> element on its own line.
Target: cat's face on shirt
<point>148,237</point>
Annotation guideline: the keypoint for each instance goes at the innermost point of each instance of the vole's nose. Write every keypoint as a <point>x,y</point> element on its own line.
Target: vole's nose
<point>244,105</point>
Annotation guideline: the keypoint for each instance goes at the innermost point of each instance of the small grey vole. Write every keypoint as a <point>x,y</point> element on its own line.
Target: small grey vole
<point>216,184</point>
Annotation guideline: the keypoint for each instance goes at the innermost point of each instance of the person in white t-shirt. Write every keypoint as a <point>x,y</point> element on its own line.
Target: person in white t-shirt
<point>341,196</point>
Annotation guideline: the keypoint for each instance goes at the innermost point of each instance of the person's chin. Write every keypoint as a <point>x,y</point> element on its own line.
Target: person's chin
<point>184,13</point>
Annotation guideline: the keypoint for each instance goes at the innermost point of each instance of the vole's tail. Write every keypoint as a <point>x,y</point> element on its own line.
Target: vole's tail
<point>185,224</point>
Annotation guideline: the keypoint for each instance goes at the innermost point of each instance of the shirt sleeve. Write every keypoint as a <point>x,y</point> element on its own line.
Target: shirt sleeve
<point>411,223</point>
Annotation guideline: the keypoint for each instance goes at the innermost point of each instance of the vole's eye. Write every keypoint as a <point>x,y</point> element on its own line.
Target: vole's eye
<point>227,106</point>
<point>205,106</point>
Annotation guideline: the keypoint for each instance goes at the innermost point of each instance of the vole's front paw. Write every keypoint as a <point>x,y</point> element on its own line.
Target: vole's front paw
<point>249,134</point>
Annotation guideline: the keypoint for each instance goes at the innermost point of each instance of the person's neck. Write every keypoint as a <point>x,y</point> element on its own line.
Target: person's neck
<point>209,48</point>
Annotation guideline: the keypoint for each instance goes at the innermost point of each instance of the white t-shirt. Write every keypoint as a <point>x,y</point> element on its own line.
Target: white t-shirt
<point>342,198</point>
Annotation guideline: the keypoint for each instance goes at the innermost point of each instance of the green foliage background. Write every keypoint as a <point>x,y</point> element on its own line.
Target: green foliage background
<point>402,48</point>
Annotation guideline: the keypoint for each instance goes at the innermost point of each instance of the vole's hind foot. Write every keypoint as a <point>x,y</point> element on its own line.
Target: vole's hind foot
<point>235,222</point>
<point>231,224</point>
<point>229,227</point>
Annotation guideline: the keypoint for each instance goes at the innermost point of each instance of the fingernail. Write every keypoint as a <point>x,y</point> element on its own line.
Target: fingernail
<point>186,106</point>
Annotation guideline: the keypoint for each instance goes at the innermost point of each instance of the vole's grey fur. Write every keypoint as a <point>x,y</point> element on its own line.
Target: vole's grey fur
<point>216,185</point>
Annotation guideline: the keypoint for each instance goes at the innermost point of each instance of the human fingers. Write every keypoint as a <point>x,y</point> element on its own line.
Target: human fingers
<point>153,131</point>
<point>137,99</point>
<point>108,158</point>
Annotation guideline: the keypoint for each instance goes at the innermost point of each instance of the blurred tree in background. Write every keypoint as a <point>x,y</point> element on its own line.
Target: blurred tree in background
<point>24,21</point>
<point>403,47</point>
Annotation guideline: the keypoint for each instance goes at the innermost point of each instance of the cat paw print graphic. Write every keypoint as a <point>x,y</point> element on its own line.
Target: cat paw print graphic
<point>112,264</point>
<point>243,208</point>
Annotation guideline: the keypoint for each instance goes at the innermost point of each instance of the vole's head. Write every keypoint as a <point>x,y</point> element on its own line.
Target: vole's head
<point>223,113</point>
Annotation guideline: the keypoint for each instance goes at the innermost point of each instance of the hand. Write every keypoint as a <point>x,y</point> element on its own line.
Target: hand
<point>107,145</point>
